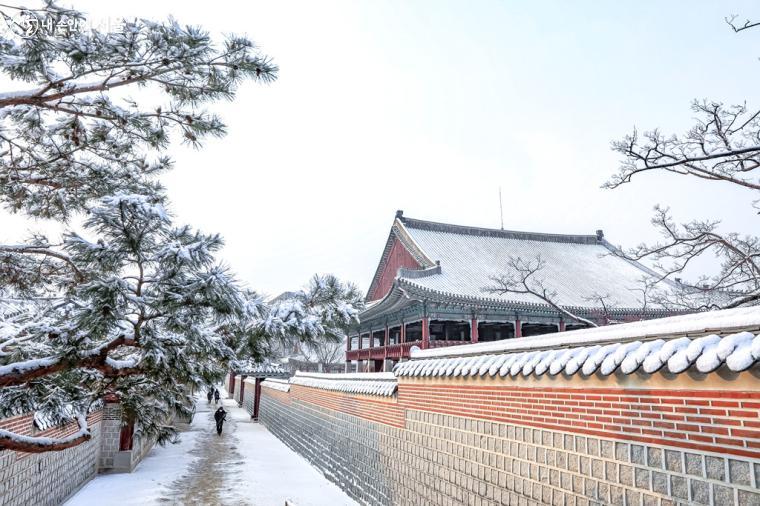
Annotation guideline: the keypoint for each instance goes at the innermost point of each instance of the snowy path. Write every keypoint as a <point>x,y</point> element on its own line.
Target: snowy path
<point>245,466</point>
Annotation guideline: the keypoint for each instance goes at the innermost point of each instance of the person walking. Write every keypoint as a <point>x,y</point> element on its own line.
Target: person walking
<point>220,416</point>
<point>210,394</point>
<point>216,396</point>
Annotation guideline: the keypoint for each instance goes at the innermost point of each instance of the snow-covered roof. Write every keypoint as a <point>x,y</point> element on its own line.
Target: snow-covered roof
<point>378,383</point>
<point>458,262</point>
<point>704,341</point>
<point>260,369</point>
<point>282,385</point>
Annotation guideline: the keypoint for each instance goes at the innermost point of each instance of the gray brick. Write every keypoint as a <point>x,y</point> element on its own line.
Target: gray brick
<point>722,495</point>
<point>607,449</point>
<point>638,455</point>
<point>738,472</point>
<point>716,468</point>
<point>642,478</point>
<point>673,461</point>
<point>621,452</point>
<point>632,497</point>
<point>654,457</point>
<point>747,498</point>
<point>650,500</point>
<point>678,487</point>
<point>616,495</point>
<point>626,476</point>
<point>694,464</point>
<point>593,446</point>
<point>700,491</point>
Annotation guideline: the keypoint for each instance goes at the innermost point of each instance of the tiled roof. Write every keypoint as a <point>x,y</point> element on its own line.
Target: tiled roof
<point>703,342</point>
<point>383,384</point>
<point>250,368</point>
<point>577,266</point>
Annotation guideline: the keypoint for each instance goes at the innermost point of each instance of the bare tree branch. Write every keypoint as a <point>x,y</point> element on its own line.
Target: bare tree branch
<point>522,280</point>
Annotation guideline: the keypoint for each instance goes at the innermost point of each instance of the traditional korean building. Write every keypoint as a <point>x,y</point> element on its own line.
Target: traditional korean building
<point>429,289</point>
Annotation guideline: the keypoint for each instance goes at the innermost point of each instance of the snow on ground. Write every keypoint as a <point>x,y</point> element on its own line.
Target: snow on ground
<point>244,466</point>
<point>273,472</point>
<point>148,483</point>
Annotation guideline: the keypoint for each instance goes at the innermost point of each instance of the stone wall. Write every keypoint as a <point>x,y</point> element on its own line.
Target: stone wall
<point>47,479</point>
<point>624,440</point>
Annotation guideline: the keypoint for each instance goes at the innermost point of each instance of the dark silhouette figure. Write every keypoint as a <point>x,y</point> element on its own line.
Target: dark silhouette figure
<point>220,416</point>
<point>209,395</point>
<point>216,396</point>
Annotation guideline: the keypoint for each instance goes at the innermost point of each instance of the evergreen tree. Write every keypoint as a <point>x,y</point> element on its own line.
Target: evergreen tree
<point>130,305</point>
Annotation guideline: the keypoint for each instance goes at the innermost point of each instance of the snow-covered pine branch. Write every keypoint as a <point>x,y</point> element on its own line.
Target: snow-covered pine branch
<point>65,140</point>
<point>142,324</point>
<point>313,322</point>
<point>36,444</point>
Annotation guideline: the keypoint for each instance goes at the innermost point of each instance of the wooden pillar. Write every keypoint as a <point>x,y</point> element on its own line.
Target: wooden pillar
<point>256,399</point>
<point>518,328</point>
<point>232,383</point>
<point>126,436</point>
<point>474,330</point>
<point>562,325</point>
<point>242,389</point>
<point>403,332</point>
<point>425,333</point>
<point>387,335</point>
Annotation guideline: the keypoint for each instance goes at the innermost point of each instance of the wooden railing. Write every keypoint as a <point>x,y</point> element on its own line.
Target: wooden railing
<point>400,350</point>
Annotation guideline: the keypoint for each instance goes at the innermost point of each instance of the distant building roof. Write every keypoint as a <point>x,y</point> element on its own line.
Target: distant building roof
<point>457,263</point>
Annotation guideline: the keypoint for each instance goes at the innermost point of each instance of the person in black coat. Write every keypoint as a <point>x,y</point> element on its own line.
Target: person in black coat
<point>216,396</point>
<point>220,416</point>
<point>210,395</point>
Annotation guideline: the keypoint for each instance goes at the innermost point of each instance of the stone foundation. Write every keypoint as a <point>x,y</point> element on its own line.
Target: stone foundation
<point>432,455</point>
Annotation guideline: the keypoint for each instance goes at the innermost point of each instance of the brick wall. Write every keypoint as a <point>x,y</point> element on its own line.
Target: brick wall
<point>638,440</point>
<point>47,478</point>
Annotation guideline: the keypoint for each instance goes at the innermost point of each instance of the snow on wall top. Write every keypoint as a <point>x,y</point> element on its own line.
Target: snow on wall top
<point>719,322</point>
<point>738,352</point>
<point>250,368</point>
<point>383,384</point>
<point>577,266</point>
<point>703,341</point>
<point>282,385</point>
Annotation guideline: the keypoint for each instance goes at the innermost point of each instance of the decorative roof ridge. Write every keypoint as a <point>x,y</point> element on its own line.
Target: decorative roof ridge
<point>695,324</point>
<point>403,272</point>
<point>399,232</point>
<point>408,282</point>
<point>382,383</point>
<point>735,352</point>
<point>435,226</point>
<point>411,245</point>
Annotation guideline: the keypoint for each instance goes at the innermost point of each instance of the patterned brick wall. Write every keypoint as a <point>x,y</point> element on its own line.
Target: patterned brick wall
<point>706,420</point>
<point>47,478</point>
<point>501,442</point>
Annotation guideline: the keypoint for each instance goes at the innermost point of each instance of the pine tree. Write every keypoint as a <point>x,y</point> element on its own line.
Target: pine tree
<point>129,305</point>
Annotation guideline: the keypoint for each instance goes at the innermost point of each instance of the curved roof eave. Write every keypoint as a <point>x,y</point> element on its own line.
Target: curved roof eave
<point>493,302</point>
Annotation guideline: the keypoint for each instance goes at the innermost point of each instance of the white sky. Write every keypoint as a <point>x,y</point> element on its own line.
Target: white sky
<point>429,107</point>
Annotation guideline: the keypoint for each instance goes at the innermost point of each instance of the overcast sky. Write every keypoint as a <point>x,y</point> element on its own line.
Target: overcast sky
<point>430,107</point>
